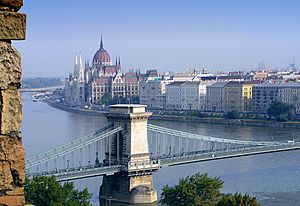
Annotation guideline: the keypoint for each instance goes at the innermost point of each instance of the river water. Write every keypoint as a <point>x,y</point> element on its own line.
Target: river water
<point>273,178</point>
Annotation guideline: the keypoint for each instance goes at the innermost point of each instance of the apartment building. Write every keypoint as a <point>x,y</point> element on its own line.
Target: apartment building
<point>193,96</point>
<point>238,96</point>
<point>265,94</point>
<point>174,96</point>
<point>153,93</point>
<point>215,97</point>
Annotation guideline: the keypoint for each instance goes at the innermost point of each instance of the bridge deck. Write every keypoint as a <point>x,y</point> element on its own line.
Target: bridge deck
<point>166,161</point>
<point>215,155</point>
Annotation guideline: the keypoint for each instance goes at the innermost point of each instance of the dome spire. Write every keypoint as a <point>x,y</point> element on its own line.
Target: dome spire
<point>101,43</point>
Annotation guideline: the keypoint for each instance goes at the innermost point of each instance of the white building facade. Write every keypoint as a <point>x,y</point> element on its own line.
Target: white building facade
<point>215,97</point>
<point>174,96</point>
<point>153,93</point>
<point>193,96</point>
<point>186,96</point>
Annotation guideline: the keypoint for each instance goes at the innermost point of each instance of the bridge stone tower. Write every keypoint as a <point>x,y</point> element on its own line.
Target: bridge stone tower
<point>129,148</point>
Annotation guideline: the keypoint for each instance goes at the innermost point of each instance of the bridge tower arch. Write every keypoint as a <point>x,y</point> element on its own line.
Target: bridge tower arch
<point>129,148</point>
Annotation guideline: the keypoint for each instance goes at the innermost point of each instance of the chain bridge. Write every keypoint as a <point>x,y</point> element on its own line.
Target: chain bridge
<point>128,150</point>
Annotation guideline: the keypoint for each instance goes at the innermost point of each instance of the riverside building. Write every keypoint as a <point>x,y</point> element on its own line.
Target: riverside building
<point>186,95</point>
<point>238,96</point>
<point>265,94</point>
<point>88,85</point>
<point>215,97</point>
<point>153,92</point>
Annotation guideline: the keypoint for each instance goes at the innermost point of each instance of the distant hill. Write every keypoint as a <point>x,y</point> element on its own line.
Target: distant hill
<point>40,82</point>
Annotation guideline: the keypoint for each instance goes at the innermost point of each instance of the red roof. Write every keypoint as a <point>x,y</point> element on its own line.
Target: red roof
<point>110,71</point>
<point>102,80</point>
<point>101,56</point>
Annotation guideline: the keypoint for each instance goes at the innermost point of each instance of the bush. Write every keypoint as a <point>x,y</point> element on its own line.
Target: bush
<point>281,111</point>
<point>237,200</point>
<point>197,189</point>
<point>201,190</point>
<point>203,114</point>
<point>231,115</point>
<point>46,191</point>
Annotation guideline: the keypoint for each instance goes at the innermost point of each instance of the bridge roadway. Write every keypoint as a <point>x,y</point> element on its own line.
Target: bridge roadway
<point>167,161</point>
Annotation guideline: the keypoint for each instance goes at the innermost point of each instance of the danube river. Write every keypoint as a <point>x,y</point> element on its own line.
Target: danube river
<point>274,178</point>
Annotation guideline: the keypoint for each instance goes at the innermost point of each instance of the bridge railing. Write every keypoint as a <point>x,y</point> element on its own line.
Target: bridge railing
<point>182,134</point>
<point>73,146</point>
<point>186,158</point>
<point>151,164</point>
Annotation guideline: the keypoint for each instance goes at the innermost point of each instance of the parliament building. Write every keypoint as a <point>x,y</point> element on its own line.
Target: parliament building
<point>89,83</point>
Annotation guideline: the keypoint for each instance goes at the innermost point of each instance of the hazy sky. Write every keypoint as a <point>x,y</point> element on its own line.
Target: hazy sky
<point>164,34</point>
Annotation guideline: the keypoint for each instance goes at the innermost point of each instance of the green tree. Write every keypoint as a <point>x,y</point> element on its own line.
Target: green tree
<point>237,200</point>
<point>46,191</point>
<point>193,113</point>
<point>281,111</point>
<point>232,115</point>
<point>135,99</point>
<point>201,190</point>
<point>195,190</point>
<point>115,100</point>
<point>106,98</point>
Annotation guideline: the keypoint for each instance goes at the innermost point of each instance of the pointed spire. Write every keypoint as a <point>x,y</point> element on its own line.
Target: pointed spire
<point>75,73</point>
<point>116,61</point>
<point>80,69</point>
<point>119,63</point>
<point>76,61</point>
<point>86,63</point>
<point>80,61</point>
<point>101,43</point>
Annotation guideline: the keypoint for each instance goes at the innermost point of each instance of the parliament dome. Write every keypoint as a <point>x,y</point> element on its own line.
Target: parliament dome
<point>102,56</point>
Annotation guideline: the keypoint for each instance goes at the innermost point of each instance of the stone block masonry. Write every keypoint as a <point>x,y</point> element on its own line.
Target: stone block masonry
<point>12,25</point>
<point>134,185</point>
<point>12,154</point>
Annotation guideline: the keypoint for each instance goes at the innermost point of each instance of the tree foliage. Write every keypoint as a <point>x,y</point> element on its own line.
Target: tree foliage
<point>281,111</point>
<point>195,190</point>
<point>135,99</point>
<point>237,200</point>
<point>232,115</point>
<point>201,190</point>
<point>45,191</point>
<point>106,98</point>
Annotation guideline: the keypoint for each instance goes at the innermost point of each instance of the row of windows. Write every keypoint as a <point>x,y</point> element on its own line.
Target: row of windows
<point>108,89</point>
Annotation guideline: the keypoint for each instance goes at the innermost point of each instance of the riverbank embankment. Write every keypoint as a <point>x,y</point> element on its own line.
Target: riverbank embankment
<point>74,110</point>
<point>221,121</point>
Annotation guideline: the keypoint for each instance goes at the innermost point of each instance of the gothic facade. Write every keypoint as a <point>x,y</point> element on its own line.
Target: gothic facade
<point>88,85</point>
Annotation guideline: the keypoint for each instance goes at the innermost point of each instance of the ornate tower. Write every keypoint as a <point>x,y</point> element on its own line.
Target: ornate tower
<point>129,148</point>
<point>76,71</point>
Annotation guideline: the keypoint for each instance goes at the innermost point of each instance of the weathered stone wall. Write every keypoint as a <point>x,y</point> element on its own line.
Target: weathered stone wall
<point>12,155</point>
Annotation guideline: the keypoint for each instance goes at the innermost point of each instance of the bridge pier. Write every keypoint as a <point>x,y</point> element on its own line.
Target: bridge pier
<point>134,185</point>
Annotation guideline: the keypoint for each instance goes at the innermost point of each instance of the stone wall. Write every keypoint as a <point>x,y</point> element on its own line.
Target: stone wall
<point>12,155</point>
